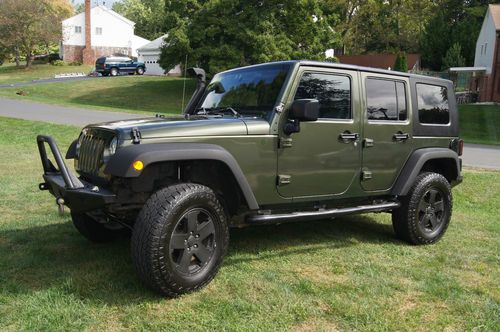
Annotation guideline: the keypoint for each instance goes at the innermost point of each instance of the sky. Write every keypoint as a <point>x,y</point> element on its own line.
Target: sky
<point>108,3</point>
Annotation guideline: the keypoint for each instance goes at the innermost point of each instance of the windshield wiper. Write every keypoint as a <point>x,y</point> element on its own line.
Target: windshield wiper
<point>218,111</point>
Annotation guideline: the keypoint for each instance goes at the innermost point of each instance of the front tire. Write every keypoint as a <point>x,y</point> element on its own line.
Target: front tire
<point>180,239</point>
<point>425,212</point>
<point>140,71</point>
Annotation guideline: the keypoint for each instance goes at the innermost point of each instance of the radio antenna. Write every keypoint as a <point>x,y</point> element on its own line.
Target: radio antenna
<point>184,87</point>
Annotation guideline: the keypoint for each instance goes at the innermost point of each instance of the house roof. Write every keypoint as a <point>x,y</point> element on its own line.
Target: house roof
<point>382,61</point>
<point>107,10</point>
<point>495,13</point>
<point>154,45</point>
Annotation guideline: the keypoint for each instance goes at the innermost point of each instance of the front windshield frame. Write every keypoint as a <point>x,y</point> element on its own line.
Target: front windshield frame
<point>247,111</point>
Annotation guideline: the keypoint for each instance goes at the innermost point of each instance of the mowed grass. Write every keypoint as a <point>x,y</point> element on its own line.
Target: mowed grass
<point>480,124</point>
<point>346,274</point>
<point>9,73</point>
<point>137,94</point>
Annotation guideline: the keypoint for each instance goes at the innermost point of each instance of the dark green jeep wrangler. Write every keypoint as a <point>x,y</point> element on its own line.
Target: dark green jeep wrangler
<point>270,143</point>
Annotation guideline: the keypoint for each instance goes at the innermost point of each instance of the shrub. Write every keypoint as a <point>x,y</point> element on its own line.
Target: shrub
<point>401,62</point>
<point>75,63</point>
<point>58,63</point>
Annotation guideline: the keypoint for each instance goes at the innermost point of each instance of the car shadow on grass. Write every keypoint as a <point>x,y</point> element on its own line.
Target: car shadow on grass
<point>56,257</point>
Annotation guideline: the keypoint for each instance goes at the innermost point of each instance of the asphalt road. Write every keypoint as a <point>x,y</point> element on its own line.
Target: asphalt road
<point>475,155</point>
<point>58,114</point>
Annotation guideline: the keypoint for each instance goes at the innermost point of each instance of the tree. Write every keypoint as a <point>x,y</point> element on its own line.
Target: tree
<point>148,16</point>
<point>218,35</point>
<point>453,57</point>
<point>26,24</point>
<point>401,63</point>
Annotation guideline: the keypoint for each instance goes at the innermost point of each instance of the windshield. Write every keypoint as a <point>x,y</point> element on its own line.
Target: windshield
<point>247,91</point>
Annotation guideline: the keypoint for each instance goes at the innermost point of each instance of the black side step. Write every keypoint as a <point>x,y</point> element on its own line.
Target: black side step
<point>320,214</point>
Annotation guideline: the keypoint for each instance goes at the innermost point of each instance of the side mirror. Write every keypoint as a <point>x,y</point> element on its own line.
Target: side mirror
<point>301,110</point>
<point>304,110</point>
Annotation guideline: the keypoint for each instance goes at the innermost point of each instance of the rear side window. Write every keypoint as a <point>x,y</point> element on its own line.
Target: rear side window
<point>332,91</point>
<point>101,60</point>
<point>433,106</point>
<point>386,100</point>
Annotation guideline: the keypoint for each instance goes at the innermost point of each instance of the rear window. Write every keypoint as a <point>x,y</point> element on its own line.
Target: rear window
<point>101,60</point>
<point>433,106</point>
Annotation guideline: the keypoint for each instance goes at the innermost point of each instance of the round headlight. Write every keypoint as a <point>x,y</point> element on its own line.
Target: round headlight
<point>112,146</point>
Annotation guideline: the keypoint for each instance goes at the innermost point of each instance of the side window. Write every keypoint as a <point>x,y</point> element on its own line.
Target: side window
<point>432,101</point>
<point>386,100</point>
<point>332,91</point>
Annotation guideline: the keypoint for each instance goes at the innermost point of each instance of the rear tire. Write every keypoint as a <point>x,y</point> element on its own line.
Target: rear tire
<point>425,212</point>
<point>180,239</point>
<point>91,229</point>
<point>114,72</point>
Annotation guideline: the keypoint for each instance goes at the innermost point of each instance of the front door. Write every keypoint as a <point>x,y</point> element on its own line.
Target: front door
<point>387,133</point>
<point>323,159</point>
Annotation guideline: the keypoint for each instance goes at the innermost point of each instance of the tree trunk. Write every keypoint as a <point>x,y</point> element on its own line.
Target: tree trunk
<point>29,59</point>
<point>16,51</point>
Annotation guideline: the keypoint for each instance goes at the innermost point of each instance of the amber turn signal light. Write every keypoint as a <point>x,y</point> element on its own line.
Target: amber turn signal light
<point>138,165</point>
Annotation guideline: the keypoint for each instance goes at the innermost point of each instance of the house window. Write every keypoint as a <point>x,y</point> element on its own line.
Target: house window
<point>78,29</point>
<point>98,31</point>
<point>482,49</point>
<point>485,47</point>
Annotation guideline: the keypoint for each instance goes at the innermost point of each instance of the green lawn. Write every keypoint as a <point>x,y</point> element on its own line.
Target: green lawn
<point>480,124</point>
<point>137,94</point>
<point>346,274</point>
<point>9,73</point>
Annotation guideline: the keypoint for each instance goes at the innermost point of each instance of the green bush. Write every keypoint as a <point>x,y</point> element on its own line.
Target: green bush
<point>58,63</point>
<point>401,63</point>
<point>75,63</point>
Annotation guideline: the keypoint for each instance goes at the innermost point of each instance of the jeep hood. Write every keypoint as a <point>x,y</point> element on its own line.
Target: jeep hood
<point>159,127</point>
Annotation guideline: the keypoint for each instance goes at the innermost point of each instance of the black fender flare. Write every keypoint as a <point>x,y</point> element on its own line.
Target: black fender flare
<point>120,164</point>
<point>415,163</point>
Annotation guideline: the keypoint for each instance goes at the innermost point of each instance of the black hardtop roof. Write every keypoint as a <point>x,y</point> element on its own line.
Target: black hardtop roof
<point>349,67</point>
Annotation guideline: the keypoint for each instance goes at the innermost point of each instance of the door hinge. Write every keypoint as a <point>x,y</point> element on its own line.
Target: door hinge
<point>367,142</point>
<point>285,142</point>
<point>136,135</point>
<point>366,175</point>
<point>284,179</point>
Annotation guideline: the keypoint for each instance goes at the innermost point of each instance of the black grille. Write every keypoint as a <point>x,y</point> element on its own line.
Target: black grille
<point>90,155</point>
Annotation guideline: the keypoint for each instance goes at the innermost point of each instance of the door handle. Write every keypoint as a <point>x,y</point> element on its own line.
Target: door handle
<point>400,136</point>
<point>347,136</point>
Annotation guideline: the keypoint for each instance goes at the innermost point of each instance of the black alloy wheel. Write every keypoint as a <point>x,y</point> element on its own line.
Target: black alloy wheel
<point>180,239</point>
<point>193,241</point>
<point>425,212</point>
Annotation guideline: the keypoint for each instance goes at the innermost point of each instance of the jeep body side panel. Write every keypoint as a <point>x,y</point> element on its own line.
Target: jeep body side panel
<point>434,130</point>
<point>318,163</point>
<point>383,155</point>
<point>121,163</point>
<point>414,165</point>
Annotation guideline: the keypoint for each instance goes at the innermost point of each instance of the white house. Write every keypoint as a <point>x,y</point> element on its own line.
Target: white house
<point>150,55</point>
<point>100,30</point>
<point>487,57</point>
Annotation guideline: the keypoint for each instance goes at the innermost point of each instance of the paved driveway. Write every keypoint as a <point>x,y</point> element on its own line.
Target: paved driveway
<point>58,114</point>
<point>475,155</point>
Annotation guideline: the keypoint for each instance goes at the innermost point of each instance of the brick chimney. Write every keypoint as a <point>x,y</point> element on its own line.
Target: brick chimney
<point>88,52</point>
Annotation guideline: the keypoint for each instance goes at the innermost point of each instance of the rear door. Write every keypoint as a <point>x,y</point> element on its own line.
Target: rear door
<point>387,130</point>
<point>317,161</point>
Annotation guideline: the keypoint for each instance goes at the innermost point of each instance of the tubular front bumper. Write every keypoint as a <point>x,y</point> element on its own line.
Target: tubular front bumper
<point>77,194</point>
